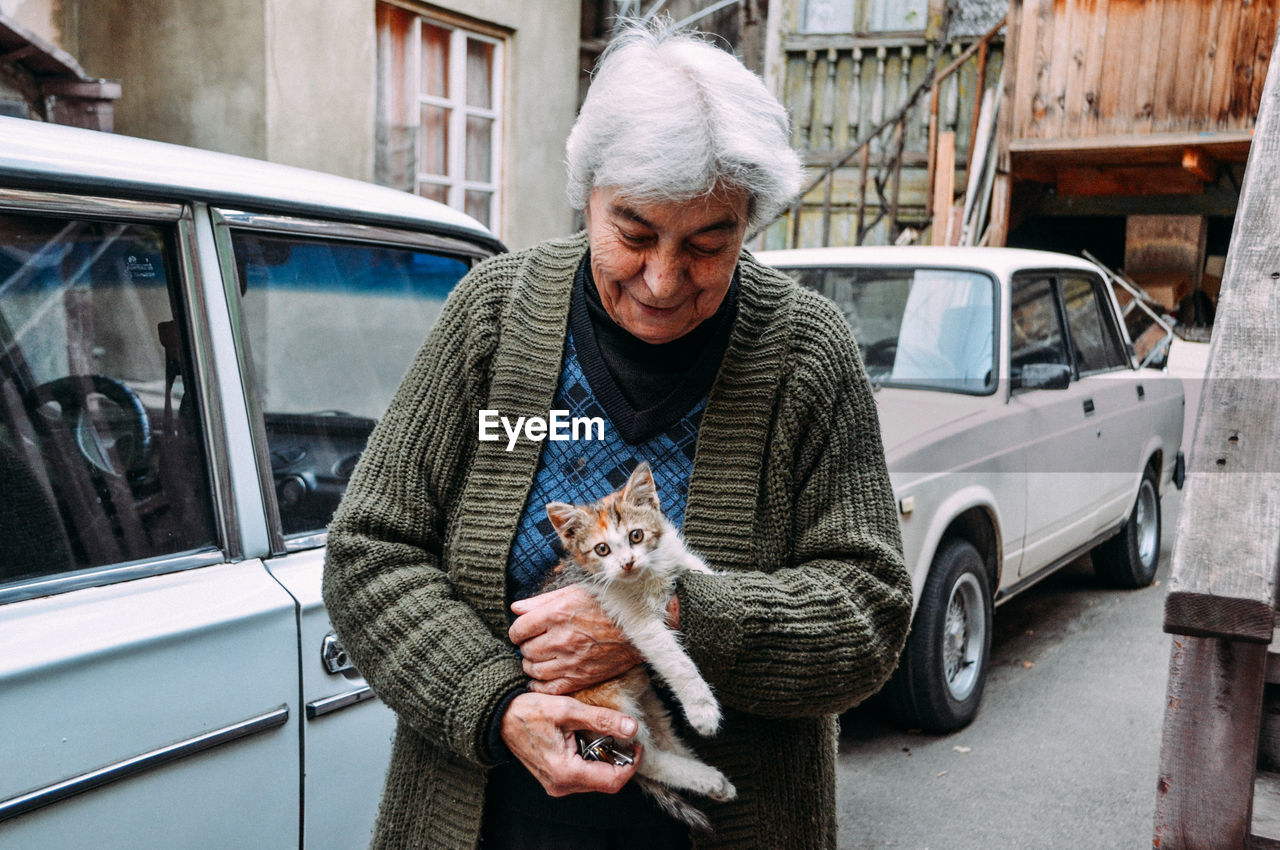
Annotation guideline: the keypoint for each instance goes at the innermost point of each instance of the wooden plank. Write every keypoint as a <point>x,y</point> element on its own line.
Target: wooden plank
<point>1058,61</point>
<point>1204,792</point>
<point>1201,163</point>
<point>1044,64</point>
<point>944,187</point>
<point>1240,94</point>
<point>1224,65</point>
<point>1176,81</point>
<point>1083,20</point>
<point>1122,55</point>
<point>1086,180</point>
<point>1095,50</point>
<point>1205,54</point>
<point>1262,51</point>
<point>1232,498</point>
<point>1027,13</point>
<point>1227,146</point>
<point>1143,94</point>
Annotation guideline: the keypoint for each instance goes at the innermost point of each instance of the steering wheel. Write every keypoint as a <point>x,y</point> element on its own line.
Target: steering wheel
<point>104,417</point>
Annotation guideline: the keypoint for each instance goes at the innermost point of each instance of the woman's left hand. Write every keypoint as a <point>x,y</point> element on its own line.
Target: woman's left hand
<point>568,642</point>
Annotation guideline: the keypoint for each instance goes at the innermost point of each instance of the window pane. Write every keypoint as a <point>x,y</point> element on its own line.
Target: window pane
<point>479,74</point>
<point>434,191</point>
<point>100,441</point>
<point>1097,348</point>
<point>1036,336</point>
<point>435,60</point>
<point>479,149</point>
<point>894,15</point>
<point>478,205</point>
<point>433,155</point>
<point>332,329</point>
<point>828,16</point>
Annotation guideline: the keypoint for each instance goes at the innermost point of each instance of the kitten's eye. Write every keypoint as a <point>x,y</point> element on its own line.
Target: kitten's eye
<point>637,534</point>
<point>602,549</point>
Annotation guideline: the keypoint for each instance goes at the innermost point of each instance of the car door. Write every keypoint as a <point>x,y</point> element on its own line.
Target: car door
<point>148,679</point>
<point>1120,419</point>
<point>330,319</point>
<point>1054,425</point>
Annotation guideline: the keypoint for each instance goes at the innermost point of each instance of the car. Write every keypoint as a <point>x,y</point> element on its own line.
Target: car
<point>193,350</point>
<point>1020,432</point>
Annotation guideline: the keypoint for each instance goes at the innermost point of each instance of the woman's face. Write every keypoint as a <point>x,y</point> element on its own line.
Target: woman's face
<point>662,268</point>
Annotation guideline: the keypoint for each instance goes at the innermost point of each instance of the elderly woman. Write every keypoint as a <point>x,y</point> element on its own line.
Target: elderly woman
<point>745,394</point>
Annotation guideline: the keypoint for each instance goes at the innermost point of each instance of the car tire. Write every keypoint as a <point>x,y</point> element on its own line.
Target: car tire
<point>938,684</point>
<point>1129,559</point>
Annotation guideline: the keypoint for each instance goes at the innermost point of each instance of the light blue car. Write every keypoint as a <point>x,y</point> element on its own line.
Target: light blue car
<point>193,350</point>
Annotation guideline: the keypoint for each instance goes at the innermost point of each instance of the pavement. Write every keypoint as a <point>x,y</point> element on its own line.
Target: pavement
<point>1065,749</point>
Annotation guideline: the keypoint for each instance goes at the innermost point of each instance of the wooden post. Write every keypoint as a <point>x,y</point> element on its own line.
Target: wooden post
<point>944,187</point>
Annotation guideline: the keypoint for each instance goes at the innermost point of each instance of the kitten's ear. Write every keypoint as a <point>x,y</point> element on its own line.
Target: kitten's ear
<point>567,519</point>
<point>640,489</point>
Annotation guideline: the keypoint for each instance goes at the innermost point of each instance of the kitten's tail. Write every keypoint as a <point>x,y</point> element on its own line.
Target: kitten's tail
<point>673,804</point>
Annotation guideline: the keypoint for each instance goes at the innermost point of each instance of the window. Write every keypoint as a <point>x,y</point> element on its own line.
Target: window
<point>1035,333</point>
<point>1093,337</point>
<point>863,16</point>
<point>332,328</point>
<point>100,444</point>
<point>440,122</point>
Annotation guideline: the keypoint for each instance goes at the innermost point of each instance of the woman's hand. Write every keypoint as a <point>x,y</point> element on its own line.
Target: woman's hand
<point>539,730</point>
<point>568,641</point>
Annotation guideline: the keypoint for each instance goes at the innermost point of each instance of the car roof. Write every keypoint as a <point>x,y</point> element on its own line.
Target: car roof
<point>49,157</point>
<point>1001,261</point>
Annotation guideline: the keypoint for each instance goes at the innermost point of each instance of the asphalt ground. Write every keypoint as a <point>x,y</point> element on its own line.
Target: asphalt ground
<point>1065,748</point>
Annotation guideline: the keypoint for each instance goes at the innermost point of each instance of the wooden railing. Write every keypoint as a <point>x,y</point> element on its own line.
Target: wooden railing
<point>878,146</point>
<point>1218,785</point>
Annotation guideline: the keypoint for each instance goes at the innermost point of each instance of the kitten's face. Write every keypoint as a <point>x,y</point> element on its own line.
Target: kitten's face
<point>612,538</point>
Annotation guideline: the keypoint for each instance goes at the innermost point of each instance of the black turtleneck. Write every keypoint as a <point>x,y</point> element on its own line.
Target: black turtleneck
<point>645,387</point>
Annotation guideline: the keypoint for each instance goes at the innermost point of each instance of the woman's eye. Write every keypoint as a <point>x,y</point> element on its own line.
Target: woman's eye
<point>637,534</point>
<point>602,549</point>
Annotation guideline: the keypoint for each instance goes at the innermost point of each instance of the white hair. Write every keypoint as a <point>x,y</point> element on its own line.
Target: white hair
<point>671,117</point>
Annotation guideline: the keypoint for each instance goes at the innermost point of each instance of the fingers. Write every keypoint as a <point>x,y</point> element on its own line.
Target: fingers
<point>595,718</point>
<point>537,613</point>
<point>540,731</point>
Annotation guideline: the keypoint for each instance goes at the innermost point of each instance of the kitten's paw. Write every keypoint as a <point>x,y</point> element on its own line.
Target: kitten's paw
<point>723,791</point>
<point>703,716</point>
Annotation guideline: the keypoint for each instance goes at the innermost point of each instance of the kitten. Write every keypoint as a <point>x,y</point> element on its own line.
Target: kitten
<point>627,554</point>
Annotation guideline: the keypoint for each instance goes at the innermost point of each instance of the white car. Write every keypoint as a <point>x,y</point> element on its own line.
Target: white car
<point>193,350</point>
<point>1019,433</point>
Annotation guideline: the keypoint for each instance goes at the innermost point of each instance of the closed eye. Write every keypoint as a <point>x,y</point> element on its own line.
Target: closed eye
<point>637,534</point>
<point>602,549</point>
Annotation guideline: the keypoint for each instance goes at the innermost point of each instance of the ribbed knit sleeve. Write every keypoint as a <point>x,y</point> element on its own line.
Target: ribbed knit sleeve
<point>817,626</point>
<point>426,652</point>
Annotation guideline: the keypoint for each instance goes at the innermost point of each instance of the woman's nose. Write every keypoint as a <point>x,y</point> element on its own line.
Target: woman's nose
<point>663,274</point>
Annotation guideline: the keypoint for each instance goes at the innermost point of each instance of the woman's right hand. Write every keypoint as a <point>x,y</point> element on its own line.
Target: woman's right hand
<point>539,730</point>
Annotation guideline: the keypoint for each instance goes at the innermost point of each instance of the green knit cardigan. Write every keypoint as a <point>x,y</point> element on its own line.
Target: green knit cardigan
<point>789,498</point>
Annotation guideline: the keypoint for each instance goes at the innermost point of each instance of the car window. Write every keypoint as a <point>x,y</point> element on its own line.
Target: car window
<point>1035,334</point>
<point>1094,339</point>
<point>332,328</point>
<point>929,328</point>
<point>100,447</point>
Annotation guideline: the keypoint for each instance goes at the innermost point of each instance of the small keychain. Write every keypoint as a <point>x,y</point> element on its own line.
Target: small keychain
<point>603,748</point>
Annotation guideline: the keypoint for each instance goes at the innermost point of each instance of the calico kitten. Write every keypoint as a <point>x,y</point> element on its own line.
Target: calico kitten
<point>627,554</point>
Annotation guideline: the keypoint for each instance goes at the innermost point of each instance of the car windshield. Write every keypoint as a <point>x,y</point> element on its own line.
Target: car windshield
<point>927,328</point>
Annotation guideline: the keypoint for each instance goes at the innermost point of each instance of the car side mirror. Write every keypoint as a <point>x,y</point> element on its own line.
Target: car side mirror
<point>1042,376</point>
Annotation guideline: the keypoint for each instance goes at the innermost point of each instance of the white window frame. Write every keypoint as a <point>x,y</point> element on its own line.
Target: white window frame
<point>455,101</point>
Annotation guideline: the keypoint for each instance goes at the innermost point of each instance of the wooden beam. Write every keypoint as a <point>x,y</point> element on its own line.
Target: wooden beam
<point>1201,163</point>
<point>1127,180</point>
<point>944,188</point>
<point>1226,146</point>
<point>1227,548</point>
<point>1204,793</point>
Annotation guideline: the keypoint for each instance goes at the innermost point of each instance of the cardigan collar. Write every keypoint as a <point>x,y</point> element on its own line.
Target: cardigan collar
<point>525,370</point>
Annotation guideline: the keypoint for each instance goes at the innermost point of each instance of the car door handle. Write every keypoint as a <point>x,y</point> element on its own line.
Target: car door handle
<point>334,656</point>
<point>1142,393</point>
<point>1088,407</point>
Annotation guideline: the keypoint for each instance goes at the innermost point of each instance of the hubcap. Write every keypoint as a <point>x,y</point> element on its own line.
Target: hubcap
<point>963,637</point>
<point>1147,524</point>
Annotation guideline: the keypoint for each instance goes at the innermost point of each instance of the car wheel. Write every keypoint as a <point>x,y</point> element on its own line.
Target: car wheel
<point>1129,559</point>
<point>939,680</point>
